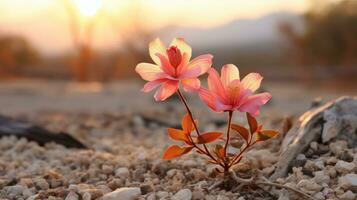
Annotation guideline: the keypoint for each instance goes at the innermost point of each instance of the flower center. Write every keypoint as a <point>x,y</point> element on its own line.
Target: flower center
<point>233,93</point>
<point>174,55</point>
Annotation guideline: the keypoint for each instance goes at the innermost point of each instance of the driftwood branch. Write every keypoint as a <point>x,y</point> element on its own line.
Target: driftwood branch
<point>286,187</point>
<point>260,180</point>
<point>324,122</point>
<point>11,127</point>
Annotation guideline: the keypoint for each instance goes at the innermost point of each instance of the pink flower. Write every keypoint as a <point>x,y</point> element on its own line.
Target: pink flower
<point>228,93</point>
<point>172,66</point>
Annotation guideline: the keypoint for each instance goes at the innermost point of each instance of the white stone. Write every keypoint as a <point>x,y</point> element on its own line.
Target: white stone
<point>327,191</point>
<point>15,190</point>
<point>349,195</point>
<point>171,173</point>
<point>26,192</point>
<point>313,146</point>
<point>338,147</point>
<point>348,181</point>
<point>122,172</point>
<point>189,163</point>
<point>262,158</point>
<point>42,183</point>
<point>125,193</point>
<point>72,196</point>
<point>184,194</point>
<point>319,196</point>
<point>162,194</point>
<point>301,157</point>
<point>320,177</point>
<point>320,164</point>
<point>73,188</point>
<point>107,169</point>
<point>284,195</point>
<point>355,158</point>
<point>210,197</point>
<point>33,197</point>
<point>221,197</point>
<point>86,196</point>
<point>151,197</point>
<point>138,121</point>
<point>309,185</point>
<point>344,167</point>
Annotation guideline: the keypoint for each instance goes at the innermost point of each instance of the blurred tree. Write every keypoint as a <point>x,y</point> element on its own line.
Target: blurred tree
<point>134,37</point>
<point>82,43</point>
<point>329,36</point>
<point>16,54</point>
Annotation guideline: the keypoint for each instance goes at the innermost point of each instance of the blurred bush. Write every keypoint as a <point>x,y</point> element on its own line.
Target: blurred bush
<point>329,38</point>
<point>16,54</point>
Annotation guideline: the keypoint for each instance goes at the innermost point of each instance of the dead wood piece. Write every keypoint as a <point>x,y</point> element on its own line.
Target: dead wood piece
<point>11,127</point>
<point>325,122</point>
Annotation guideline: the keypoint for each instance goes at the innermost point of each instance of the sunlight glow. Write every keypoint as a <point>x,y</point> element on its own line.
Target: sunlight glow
<point>88,8</point>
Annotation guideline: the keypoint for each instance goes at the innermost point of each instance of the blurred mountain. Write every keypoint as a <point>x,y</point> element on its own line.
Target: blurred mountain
<point>241,32</point>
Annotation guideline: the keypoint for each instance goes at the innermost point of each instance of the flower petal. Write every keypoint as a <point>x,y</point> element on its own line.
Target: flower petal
<point>252,81</point>
<point>165,65</point>
<point>215,85</point>
<point>184,48</point>
<point>234,92</point>
<point>229,73</point>
<point>149,72</point>
<point>204,62</point>
<point>152,85</point>
<point>191,84</point>
<point>212,101</point>
<point>191,73</point>
<point>253,103</point>
<point>157,47</point>
<point>166,90</point>
<point>208,98</point>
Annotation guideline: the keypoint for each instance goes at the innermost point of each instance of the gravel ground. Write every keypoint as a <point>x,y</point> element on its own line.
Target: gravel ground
<point>126,143</point>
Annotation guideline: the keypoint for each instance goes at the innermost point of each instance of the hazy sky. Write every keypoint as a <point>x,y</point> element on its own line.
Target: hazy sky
<point>46,22</point>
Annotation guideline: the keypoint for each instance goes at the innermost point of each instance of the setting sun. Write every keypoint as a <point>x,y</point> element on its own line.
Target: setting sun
<point>88,8</point>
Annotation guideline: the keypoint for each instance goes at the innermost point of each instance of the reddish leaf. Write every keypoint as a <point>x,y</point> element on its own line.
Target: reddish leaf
<point>222,152</point>
<point>219,150</point>
<point>253,124</point>
<point>187,124</point>
<point>175,151</point>
<point>242,131</point>
<point>266,134</point>
<point>208,137</point>
<point>177,134</point>
<point>259,128</point>
<point>270,133</point>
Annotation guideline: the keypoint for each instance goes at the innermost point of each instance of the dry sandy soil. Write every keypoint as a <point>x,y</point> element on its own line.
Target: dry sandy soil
<point>125,132</point>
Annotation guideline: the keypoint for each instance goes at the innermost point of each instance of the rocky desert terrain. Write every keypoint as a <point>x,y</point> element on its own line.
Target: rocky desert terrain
<point>124,132</point>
